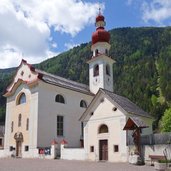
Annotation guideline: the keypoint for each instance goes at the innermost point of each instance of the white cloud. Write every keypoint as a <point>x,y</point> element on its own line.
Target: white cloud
<point>70,45</point>
<point>156,10</point>
<point>26,26</point>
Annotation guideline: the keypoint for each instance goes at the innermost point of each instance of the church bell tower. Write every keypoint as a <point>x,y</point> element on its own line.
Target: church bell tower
<point>100,64</point>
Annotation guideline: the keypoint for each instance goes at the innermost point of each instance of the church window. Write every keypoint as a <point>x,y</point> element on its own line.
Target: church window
<point>19,120</point>
<point>27,124</point>
<point>22,73</point>
<point>116,148</point>
<point>26,148</point>
<point>82,129</point>
<point>21,99</point>
<point>12,126</point>
<point>60,99</point>
<point>60,125</point>
<point>107,70</point>
<point>96,52</point>
<point>103,129</point>
<point>106,51</point>
<point>96,70</point>
<point>115,109</point>
<point>83,104</point>
<point>91,149</point>
<point>0,142</point>
<point>11,148</point>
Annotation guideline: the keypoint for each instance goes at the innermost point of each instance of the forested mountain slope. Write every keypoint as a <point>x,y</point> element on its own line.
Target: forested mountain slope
<point>142,70</point>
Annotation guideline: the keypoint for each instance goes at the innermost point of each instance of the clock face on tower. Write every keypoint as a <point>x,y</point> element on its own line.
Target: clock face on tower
<point>96,80</point>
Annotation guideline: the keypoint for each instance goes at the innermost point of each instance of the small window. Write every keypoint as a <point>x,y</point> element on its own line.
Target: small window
<point>115,109</point>
<point>91,149</point>
<point>106,51</point>
<point>96,52</point>
<point>96,70</point>
<point>82,129</point>
<point>12,126</point>
<point>21,99</point>
<point>22,73</point>
<point>27,124</point>
<point>60,125</point>
<point>107,70</point>
<point>59,98</point>
<point>1,142</point>
<point>83,104</point>
<point>92,113</point>
<point>26,148</point>
<point>19,120</point>
<point>116,148</point>
<point>11,148</point>
<point>103,129</point>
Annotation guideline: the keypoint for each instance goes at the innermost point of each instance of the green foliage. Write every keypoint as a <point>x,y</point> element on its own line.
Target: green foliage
<point>164,161</point>
<point>5,79</point>
<point>141,72</point>
<point>166,121</point>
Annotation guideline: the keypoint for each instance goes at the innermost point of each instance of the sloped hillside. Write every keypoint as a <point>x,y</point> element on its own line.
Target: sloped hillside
<point>141,72</point>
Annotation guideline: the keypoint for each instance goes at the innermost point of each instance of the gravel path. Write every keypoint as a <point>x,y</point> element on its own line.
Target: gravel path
<point>66,165</point>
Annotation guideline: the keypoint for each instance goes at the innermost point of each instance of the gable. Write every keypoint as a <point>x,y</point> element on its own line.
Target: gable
<point>102,107</point>
<point>25,74</point>
<point>123,104</point>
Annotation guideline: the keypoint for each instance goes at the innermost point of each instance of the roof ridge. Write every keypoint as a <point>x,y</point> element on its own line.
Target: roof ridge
<point>61,78</point>
<point>126,103</point>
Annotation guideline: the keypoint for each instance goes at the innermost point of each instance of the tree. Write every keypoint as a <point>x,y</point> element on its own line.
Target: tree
<point>166,121</point>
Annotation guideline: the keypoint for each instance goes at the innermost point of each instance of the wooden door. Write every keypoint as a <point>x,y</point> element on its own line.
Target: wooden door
<point>18,148</point>
<point>103,150</point>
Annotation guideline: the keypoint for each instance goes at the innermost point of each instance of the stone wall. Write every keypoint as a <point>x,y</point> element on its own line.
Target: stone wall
<point>73,153</point>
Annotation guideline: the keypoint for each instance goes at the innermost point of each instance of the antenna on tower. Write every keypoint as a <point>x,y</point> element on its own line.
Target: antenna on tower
<point>99,10</point>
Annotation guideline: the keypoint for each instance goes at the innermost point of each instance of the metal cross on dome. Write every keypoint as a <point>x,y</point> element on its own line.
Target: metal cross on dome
<point>99,11</point>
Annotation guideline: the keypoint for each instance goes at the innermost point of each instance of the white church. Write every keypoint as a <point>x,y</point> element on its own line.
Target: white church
<point>42,107</point>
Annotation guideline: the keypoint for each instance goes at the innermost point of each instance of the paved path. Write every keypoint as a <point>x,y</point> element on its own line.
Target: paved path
<point>65,165</point>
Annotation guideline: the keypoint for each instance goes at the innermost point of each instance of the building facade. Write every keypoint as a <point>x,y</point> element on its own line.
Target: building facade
<point>42,107</point>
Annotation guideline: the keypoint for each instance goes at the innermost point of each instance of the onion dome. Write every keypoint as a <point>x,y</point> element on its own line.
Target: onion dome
<point>100,35</point>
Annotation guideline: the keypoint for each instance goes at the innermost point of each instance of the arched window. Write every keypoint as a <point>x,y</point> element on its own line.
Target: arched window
<point>106,51</point>
<point>107,69</point>
<point>59,98</point>
<point>19,120</point>
<point>27,124</point>
<point>12,126</point>
<point>103,129</point>
<point>83,104</point>
<point>96,70</point>
<point>96,52</point>
<point>21,99</point>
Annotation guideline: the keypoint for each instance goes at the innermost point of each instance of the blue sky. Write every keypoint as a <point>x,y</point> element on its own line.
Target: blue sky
<point>39,29</point>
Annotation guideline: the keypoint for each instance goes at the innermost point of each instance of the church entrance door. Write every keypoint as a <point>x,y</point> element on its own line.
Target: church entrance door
<point>103,150</point>
<point>18,148</point>
<point>18,136</point>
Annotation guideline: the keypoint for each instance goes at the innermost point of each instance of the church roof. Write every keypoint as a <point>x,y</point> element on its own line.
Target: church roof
<point>120,101</point>
<point>63,82</point>
<point>126,104</point>
<point>134,123</point>
<point>35,74</point>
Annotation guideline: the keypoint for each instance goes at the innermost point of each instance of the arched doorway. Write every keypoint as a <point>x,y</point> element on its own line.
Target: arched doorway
<point>103,143</point>
<point>19,139</point>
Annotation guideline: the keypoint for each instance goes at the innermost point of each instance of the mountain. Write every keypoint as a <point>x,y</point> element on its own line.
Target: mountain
<point>141,72</point>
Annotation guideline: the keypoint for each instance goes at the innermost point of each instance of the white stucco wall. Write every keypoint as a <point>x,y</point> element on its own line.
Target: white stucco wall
<point>102,80</point>
<point>115,120</point>
<point>49,109</point>
<point>27,110</point>
<point>73,153</point>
